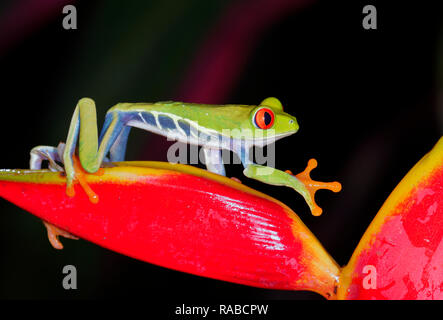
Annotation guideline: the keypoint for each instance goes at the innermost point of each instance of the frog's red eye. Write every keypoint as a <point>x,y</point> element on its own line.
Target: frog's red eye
<point>264,118</point>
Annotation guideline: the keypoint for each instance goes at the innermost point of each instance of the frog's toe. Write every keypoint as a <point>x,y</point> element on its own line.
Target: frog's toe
<point>80,177</point>
<point>53,234</point>
<point>236,179</point>
<point>313,186</point>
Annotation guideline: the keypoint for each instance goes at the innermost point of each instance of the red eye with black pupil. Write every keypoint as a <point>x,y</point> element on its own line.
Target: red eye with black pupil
<point>264,118</point>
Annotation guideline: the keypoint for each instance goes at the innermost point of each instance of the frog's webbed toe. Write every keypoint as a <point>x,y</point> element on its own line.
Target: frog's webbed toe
<point>313,186</point>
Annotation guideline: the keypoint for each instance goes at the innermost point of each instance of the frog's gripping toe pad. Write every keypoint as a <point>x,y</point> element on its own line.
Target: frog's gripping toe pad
<point>54,233</point>
<point>313,186</point>
<point>183,218</point>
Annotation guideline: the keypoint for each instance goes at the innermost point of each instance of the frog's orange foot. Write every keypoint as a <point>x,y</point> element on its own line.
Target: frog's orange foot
<point>80,176</point>
<point>236,179</point>
<point>313,186</point>
<point>53,234</point>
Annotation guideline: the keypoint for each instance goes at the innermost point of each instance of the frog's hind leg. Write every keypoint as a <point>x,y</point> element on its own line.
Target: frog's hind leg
<point>42,153</point>
<point>53,234</point>
<point>51,154</point>
<point>83,129</point>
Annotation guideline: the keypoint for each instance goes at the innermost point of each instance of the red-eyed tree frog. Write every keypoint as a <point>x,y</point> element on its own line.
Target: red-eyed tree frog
<point>214,127</point>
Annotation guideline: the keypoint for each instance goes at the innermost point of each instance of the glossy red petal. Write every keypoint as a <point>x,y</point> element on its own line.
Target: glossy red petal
<point>186,219</point>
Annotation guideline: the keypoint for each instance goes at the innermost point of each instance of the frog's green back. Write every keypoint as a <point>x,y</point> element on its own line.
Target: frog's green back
<point>233,120</point>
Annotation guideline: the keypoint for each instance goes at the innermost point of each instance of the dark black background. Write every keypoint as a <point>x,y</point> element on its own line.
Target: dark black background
<point>368,103</point>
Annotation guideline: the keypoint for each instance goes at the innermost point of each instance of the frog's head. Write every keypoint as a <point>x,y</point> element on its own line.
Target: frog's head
<point>268,122</point>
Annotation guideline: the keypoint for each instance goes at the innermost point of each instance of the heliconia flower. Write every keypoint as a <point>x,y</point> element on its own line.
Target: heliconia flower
<point>183,218</point>
<point>188,219</point>
<point>401,254</point>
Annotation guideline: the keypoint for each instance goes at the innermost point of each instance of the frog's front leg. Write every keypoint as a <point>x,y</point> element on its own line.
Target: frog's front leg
<point>214,161</point>
<point>302,183</point>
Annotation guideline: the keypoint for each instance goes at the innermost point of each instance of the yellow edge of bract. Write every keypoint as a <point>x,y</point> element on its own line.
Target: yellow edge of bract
<point>322,271</point>
<point>121,171</point>
<point>419,173</point>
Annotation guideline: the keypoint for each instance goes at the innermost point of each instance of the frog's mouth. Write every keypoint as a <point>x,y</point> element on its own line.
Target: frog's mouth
<point>263,141</point>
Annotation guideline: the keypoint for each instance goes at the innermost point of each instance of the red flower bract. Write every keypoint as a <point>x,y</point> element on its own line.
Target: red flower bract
<point>188,219</point>
<point>183,218</point>
<point>401,254</point>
